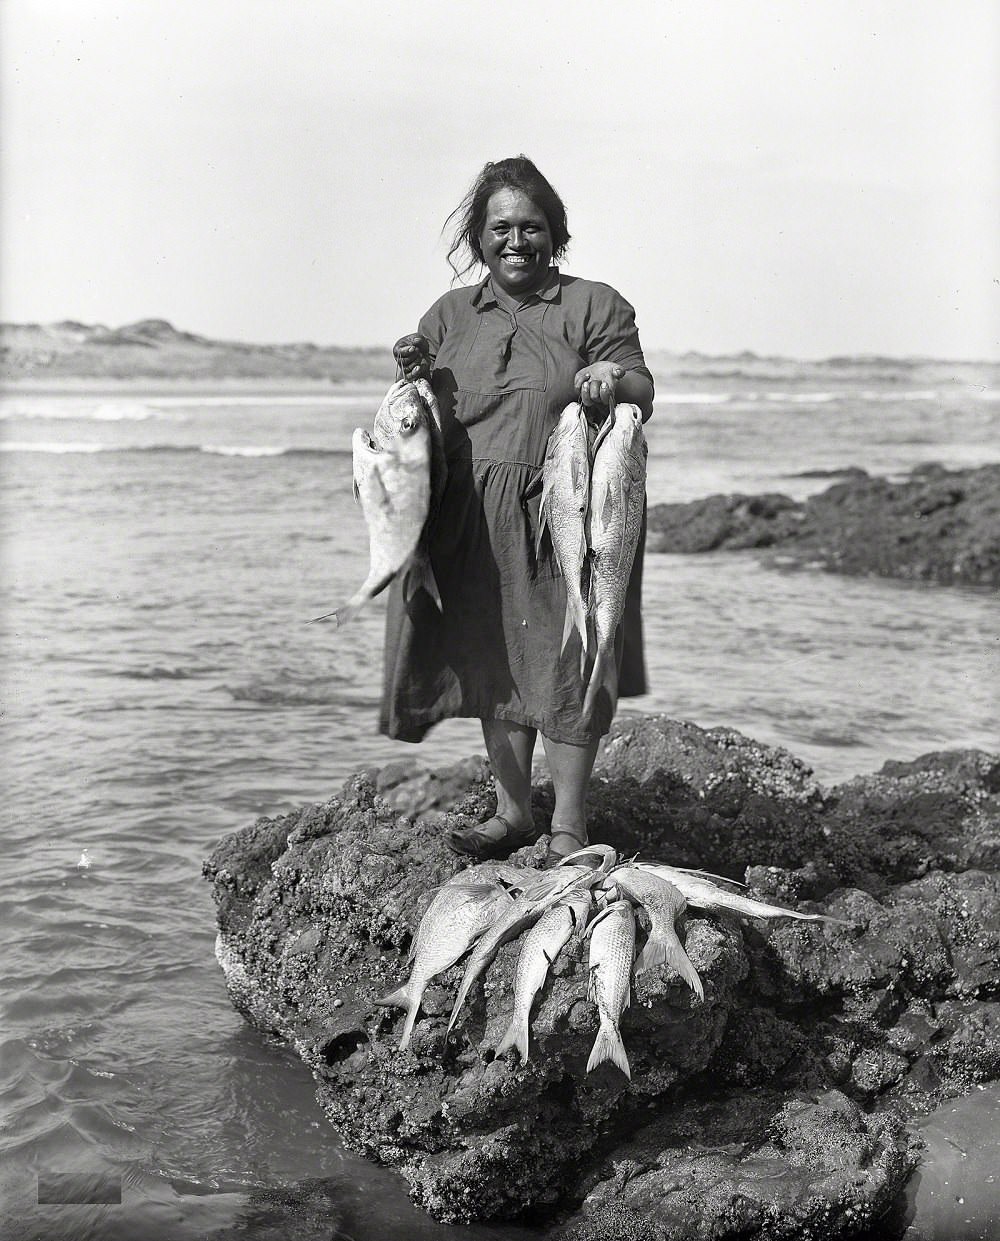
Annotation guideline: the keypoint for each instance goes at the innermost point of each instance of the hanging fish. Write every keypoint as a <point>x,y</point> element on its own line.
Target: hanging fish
<point>614,521</point>
<point>563,511</point>
<point>398,479</point>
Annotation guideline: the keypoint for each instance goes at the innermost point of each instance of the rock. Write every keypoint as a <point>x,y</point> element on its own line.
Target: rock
<point>752,1164</point>
<point>936,525</point>
<point>850,1025</point>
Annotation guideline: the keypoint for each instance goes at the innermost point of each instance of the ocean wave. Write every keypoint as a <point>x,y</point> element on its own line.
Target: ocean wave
<point>694,398</point>
<point>163,672</point>
<point>40,446</point>
<point>218,450</point>
<point>103,411</point>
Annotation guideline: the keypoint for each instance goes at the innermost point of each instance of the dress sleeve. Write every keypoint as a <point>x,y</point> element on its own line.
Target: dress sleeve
<point>611,333</point>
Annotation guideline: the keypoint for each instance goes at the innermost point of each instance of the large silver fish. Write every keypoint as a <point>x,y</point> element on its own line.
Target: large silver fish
<point>663,903</point>
<point>455,919</point>
<point>525,911</point>
<point>563,511</point>
<point>614,520</point>
<point>541,946</point>
<point>398,477</point>
<point>612,947</point>
<point>703,894</point>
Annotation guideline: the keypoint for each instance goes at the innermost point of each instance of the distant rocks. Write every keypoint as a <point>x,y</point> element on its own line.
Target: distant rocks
<point>777,1108</point>
<point>153,349</point>
<point>937,525</point>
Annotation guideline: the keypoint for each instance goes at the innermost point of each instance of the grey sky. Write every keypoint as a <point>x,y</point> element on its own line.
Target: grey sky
<point>803,178</point>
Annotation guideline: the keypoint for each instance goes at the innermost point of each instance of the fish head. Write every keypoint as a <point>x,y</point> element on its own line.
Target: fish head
<point>401,403</point>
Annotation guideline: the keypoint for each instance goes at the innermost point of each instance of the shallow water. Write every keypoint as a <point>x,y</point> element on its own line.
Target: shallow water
<point>161,689</point>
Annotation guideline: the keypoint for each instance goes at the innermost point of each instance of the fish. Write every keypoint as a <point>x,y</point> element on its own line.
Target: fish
<point>563,512</point>
<point>541,946</point>
<point>457,916</point>
<point>612,947</point>
<point>525,911</point>
<point>663,903</point>
<point>614,520</point>
<point>397,476</point>
<point>701,893</point>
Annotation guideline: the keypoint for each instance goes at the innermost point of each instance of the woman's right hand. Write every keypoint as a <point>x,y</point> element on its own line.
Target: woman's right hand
<point>413,356</point>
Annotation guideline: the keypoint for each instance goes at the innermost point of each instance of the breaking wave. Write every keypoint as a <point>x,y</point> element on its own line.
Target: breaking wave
<point>219,450</point>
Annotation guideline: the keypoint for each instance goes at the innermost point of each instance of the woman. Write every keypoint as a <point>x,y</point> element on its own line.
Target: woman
<point>504,358</point>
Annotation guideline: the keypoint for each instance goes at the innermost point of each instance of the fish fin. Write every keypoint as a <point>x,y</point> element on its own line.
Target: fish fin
<point>357,493</point>
<point>660,951</point>
<point>604,674</point>
<point>609,1046</point>
<point>515,1036</point>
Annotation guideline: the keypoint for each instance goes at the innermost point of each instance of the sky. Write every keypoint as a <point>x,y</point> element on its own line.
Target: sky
<point>805,178</point>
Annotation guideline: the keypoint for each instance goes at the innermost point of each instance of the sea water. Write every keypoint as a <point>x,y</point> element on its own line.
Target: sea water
<point>161,554</point>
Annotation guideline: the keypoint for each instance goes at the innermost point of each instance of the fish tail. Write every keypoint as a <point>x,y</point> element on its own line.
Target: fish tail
<point>347,611</point>
<point>516,1036</point>
<point>609,1046</point>
<point>603,675</point>
<point>403,997</point>
<point>659,951</point>
<point>576,618</point>
<point>463,991</point>
<point>420,573</point>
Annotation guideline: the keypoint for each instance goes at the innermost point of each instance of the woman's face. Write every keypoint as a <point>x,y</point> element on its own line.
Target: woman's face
<point>516,242</point>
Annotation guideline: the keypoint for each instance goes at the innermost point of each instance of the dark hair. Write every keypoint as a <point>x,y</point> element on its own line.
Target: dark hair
<point>469,217</point>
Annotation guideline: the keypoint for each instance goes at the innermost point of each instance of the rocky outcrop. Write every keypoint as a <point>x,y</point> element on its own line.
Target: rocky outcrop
<point>937,525</point>
<point>774,1108</point>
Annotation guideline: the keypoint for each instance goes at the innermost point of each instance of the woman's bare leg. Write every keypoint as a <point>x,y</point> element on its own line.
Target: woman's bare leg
<point>570,767</point>
<point>510,748</point>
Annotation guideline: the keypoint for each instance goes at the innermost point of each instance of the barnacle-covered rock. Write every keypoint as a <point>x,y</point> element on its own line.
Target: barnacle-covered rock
<point>893,1009</point>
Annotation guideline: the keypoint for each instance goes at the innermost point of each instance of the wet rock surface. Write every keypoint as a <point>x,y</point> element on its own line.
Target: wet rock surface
<point>936,525</point>
<point>805,1028</point>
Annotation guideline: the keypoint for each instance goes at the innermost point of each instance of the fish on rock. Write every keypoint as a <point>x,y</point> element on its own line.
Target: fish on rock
<point>663,903</point>
<point>565,501</point>
<point>539,896</point>
<point>701,893</point>
<point>541,946</point>
<point>614,521</point>
<point>457,916</point>
<point>398,478</point>
<point>612,947</point>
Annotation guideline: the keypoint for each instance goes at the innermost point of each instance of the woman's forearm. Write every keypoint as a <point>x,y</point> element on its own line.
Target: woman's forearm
<point>637,390</point>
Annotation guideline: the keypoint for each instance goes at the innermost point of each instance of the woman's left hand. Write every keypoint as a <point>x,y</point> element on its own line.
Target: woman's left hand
<point>596,383</point>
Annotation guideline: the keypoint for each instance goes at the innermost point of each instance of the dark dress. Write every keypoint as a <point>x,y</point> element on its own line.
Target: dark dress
<point>503,377</point>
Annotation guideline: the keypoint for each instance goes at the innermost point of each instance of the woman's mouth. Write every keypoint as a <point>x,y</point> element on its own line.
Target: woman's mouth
<point>518,260</point>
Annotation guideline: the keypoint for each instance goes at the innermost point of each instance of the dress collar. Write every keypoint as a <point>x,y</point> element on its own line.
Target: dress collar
<point>484,296</point>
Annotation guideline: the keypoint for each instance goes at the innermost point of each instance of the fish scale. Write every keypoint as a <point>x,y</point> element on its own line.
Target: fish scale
<point>614,520</point>
<point>398,480</point>
<point>612,948</point>
<point>563,511</point>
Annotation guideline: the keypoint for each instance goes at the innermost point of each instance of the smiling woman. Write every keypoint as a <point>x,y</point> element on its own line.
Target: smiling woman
<point>504,357</point>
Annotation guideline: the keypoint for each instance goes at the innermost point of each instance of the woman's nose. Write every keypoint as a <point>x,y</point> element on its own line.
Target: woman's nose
<point>516,238</point>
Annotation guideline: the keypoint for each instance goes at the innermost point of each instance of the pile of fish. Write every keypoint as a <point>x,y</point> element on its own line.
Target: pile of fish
<point>590,895</point>
<point>399,476</point>
<point>592,500</point>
